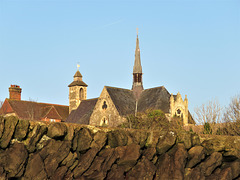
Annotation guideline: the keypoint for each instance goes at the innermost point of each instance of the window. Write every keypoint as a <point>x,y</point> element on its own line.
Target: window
<point>139,78</point>
<point>104,122</point>
<point>104,106</point>
<point>178,111</point>
<point>81,94</point>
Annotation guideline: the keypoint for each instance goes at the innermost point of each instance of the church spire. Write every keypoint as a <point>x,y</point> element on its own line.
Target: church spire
<point>137,86</point>
<point>137,68</point>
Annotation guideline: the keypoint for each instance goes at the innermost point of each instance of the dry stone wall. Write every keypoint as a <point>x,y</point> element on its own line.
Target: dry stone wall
<point>36,150</point>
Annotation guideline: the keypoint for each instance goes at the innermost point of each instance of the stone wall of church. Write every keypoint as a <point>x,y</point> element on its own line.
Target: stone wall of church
<point>37,150</point>
<point>105,112</point>
<point>179,107</point>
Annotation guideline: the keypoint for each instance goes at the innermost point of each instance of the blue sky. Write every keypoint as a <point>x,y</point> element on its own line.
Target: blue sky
<point>190,46</point>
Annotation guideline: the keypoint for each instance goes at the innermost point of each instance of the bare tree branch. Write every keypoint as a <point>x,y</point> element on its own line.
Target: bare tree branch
<point>208,113</point>
<point>232,113</point>
<point>1,103</point>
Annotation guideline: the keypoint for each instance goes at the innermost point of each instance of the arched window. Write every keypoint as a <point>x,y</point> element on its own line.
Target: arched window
<point>139,78</point>
<point>81,94</point>
<point>104,106</point>
<point>104,121</point>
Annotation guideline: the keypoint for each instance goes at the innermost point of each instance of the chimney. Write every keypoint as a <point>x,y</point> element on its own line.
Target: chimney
<point>15,92</point>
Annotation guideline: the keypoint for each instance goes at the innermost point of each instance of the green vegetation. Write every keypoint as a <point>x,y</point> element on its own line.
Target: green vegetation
<point>152,120</point>
<point>207,128</point>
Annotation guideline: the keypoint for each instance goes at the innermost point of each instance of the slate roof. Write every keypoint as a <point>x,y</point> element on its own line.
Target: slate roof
<point>77,80</point>
<point>77,83</point>
<point>154,98</point>
<point>82,114</point>
<point>77,74</point>
<point>34,111</point>
<point>123,100</point>
<point>190,118</point>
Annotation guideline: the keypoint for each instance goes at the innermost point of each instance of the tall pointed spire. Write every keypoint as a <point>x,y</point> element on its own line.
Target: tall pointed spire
<point>137,68</point>
<point>137,86</point>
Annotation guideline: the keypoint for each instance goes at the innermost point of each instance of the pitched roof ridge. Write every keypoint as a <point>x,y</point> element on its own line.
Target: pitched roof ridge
<point>56,112</point>
<point>38,102</point>
<point>7,101</point>
<point>155,88</point>
<point>90,99</point>
<point>48,110</point>
<point>117,88</point>
<point>52,108</point>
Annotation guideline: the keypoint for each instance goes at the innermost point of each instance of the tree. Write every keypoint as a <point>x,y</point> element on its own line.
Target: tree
<point>232,117</point>
<point>209,115</point>
<point>31,106</point>
<point>1,103</point>
<point>232,113</point>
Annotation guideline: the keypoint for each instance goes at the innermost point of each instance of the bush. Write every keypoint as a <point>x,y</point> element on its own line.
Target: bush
<point>150,120</point>
<point>207,128</point>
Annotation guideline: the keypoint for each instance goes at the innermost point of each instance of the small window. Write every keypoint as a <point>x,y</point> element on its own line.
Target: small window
<point>139,78</point>
<point>104,106</point>
<point>81,94</point>
<point>179,111</point>
<point>104,122</point>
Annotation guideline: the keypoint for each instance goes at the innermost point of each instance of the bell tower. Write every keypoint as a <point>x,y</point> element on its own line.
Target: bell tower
<point>137,86</point>
<point>77,91</point>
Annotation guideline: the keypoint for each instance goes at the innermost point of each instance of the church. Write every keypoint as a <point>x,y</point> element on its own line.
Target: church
<point>110,109</point>
<point>114,104</point>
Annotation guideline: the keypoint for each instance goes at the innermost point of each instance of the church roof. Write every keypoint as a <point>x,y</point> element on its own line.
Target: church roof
<point>82,114</point>
<point>30,110</point>
<point>154,98</point>
<point>78,74</point>
<point>77,83</point>
<point>123,100</point>
<point>78,80</point>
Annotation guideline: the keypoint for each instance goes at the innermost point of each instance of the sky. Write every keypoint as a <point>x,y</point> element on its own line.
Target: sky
<point>188,46</point>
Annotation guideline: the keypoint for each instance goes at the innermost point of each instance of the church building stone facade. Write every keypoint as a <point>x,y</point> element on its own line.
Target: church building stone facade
<point>115,104</point>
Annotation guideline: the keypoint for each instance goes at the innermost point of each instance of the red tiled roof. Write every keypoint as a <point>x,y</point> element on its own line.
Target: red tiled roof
<point>51,112</point>
<point>34,111</point>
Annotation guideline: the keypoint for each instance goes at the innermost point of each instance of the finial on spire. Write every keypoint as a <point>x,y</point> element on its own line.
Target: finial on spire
<point>137,31</point>
<point>78,66</point>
